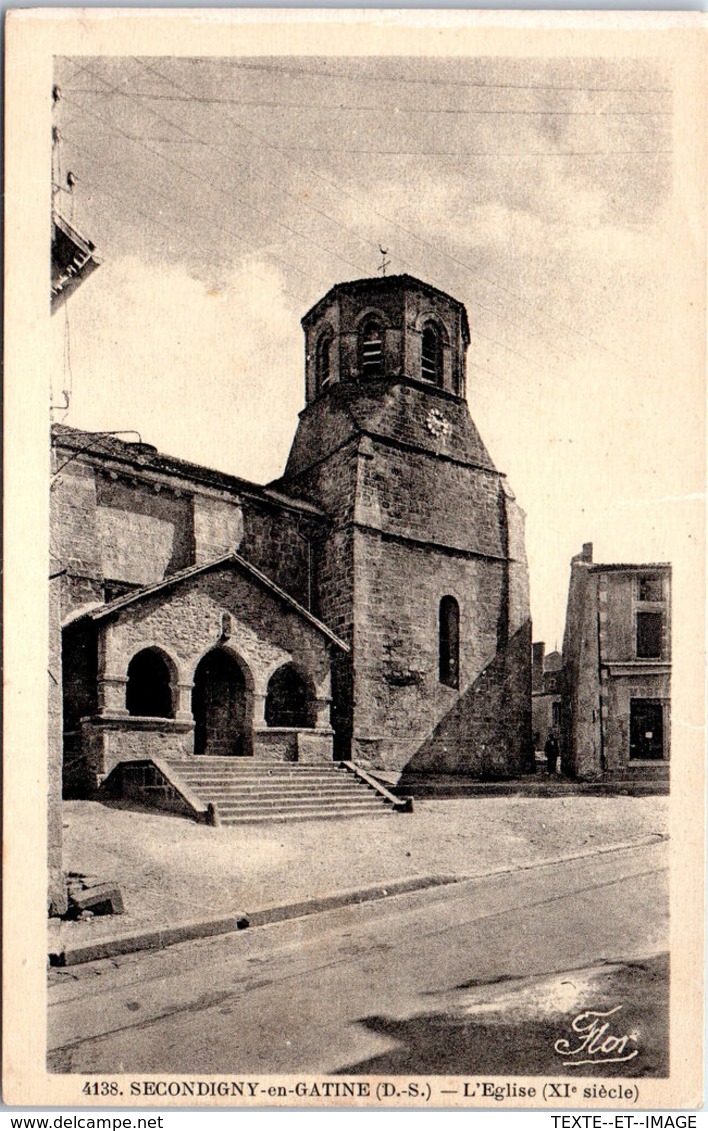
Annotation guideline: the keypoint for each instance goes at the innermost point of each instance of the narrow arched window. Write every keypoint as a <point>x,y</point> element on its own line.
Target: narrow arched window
<point>149,688</point>
<point>323,361</point>
<point>288,700</point>
<point>449,642</point>
<point>431,355</point>
<point>371,349</point>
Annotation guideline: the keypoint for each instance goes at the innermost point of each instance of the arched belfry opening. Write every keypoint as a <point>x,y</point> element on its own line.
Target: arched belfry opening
<point>324,360</point>
<point>222,705</point>
<point>371,348</point>
<point>431,367</point>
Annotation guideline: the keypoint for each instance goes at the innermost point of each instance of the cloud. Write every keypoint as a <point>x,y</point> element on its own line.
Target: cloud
<point>209,371</point>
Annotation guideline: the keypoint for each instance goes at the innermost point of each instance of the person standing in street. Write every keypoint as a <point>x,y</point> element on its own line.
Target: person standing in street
<point>551,750</point>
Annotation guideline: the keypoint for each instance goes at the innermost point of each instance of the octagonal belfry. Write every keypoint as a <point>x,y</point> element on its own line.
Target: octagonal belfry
<point>392,327</point>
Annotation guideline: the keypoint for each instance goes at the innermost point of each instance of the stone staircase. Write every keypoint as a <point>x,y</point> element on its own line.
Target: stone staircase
<point>243,791</point>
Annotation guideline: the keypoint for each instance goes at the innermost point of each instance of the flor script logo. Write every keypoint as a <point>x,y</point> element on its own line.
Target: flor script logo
<point>593,1041</point>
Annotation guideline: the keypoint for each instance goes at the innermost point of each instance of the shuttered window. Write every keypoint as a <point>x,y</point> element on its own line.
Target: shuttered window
<point>371,354</point>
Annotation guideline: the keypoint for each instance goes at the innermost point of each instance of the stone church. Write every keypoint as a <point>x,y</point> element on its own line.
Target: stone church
<point>370,607</point>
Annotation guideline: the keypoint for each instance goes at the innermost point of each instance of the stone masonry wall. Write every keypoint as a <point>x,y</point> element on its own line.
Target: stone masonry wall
<point>420,496</point>
<point>145,530</point>
<point>400,703</point>
<point>581,737</point>
<point>218,528</point>
<point>279,545</point>
<point>187,622</point>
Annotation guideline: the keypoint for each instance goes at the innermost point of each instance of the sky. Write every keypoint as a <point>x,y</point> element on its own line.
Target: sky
<point>225,196</point>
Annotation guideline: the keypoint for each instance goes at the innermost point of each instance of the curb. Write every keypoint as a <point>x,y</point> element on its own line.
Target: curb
<point>147,940</point>
<point>168,936</point>
<point>159,938</point>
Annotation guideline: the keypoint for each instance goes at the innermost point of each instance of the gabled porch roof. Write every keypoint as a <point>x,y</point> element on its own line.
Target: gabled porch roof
<point>104,612</point>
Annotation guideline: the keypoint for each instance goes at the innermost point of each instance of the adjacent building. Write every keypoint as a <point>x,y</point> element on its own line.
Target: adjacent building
<point>616,687</point>
<point>546,680</point>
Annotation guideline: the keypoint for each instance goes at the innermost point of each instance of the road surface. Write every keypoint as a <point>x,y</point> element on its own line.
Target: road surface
<point>384,985</point>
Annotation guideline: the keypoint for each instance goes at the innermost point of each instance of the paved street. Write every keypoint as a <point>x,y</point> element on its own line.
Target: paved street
<point>365,986</point>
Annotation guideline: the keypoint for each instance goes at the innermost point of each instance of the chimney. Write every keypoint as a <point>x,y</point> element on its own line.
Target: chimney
<point>587,552</point>
<point>537,657</point>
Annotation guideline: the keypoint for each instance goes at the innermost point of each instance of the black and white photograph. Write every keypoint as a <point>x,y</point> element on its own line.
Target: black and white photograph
<point>372,375</point>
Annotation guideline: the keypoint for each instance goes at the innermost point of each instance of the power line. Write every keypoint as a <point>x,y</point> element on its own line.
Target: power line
<point>353,196</point>
<point>318,176</point>
<point>193,213</point>
<point>462,153</point>
<point>154,219</point>
<point>381,78</point>
<point>331,184</point>
<point>217,188</point>
<point>377,109</point>
<point>478,304</point>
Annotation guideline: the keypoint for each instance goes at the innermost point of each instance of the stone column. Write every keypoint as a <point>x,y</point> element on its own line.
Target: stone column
<point>259,705</point>
<point>183,702</point>
<point>322,719</point>
<point>111,695</point>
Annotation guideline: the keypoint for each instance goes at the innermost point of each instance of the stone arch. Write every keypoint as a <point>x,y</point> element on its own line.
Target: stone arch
<point>431,318</point>
<point>150,690</point>
<point>290,698</point>
<point>222,704</point>
<point>434,349</point>
<point>431,360</point>
<point>324,358</point>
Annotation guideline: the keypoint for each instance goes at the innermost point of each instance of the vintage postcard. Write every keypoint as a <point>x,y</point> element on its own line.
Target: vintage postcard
<point>354,488</point>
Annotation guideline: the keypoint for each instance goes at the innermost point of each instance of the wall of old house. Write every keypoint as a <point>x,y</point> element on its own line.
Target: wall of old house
<point>581,730</point>
<point>115,532</point>
<point>602,672</point>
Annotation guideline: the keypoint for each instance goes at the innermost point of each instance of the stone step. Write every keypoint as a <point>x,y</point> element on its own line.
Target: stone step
<point>256,775</point>
<point>248,792</point>
<point>239,764</point>
<point>313,815</point>
<point>293,805</point>
<point>329,783</point>
<point>326,793</point>
<point>326,775</point>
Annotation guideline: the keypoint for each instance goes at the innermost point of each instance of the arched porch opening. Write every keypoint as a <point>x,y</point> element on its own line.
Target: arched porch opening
<point>222,705</point>
<point>290,700</point>
<point>149,692</point>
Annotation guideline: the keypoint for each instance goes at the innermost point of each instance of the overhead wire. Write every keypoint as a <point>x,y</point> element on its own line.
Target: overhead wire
<point>191,172</point>
<point>379,78</point>
<point>426,243</point>
<point>379,108</point>
<point>479,305</point>
<point>306,238</point>
<point>338,187</point>
<point>82,148</point>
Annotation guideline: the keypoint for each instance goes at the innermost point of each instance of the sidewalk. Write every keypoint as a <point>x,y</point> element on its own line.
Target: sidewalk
<point>172,872</point>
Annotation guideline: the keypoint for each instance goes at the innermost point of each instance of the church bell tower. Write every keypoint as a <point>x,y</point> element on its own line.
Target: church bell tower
<point>423,570</point>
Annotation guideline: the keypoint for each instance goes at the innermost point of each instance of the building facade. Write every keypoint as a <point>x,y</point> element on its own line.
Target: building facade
<point>371,604</point>
<point>616,690</point>
<point>546,681</point>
